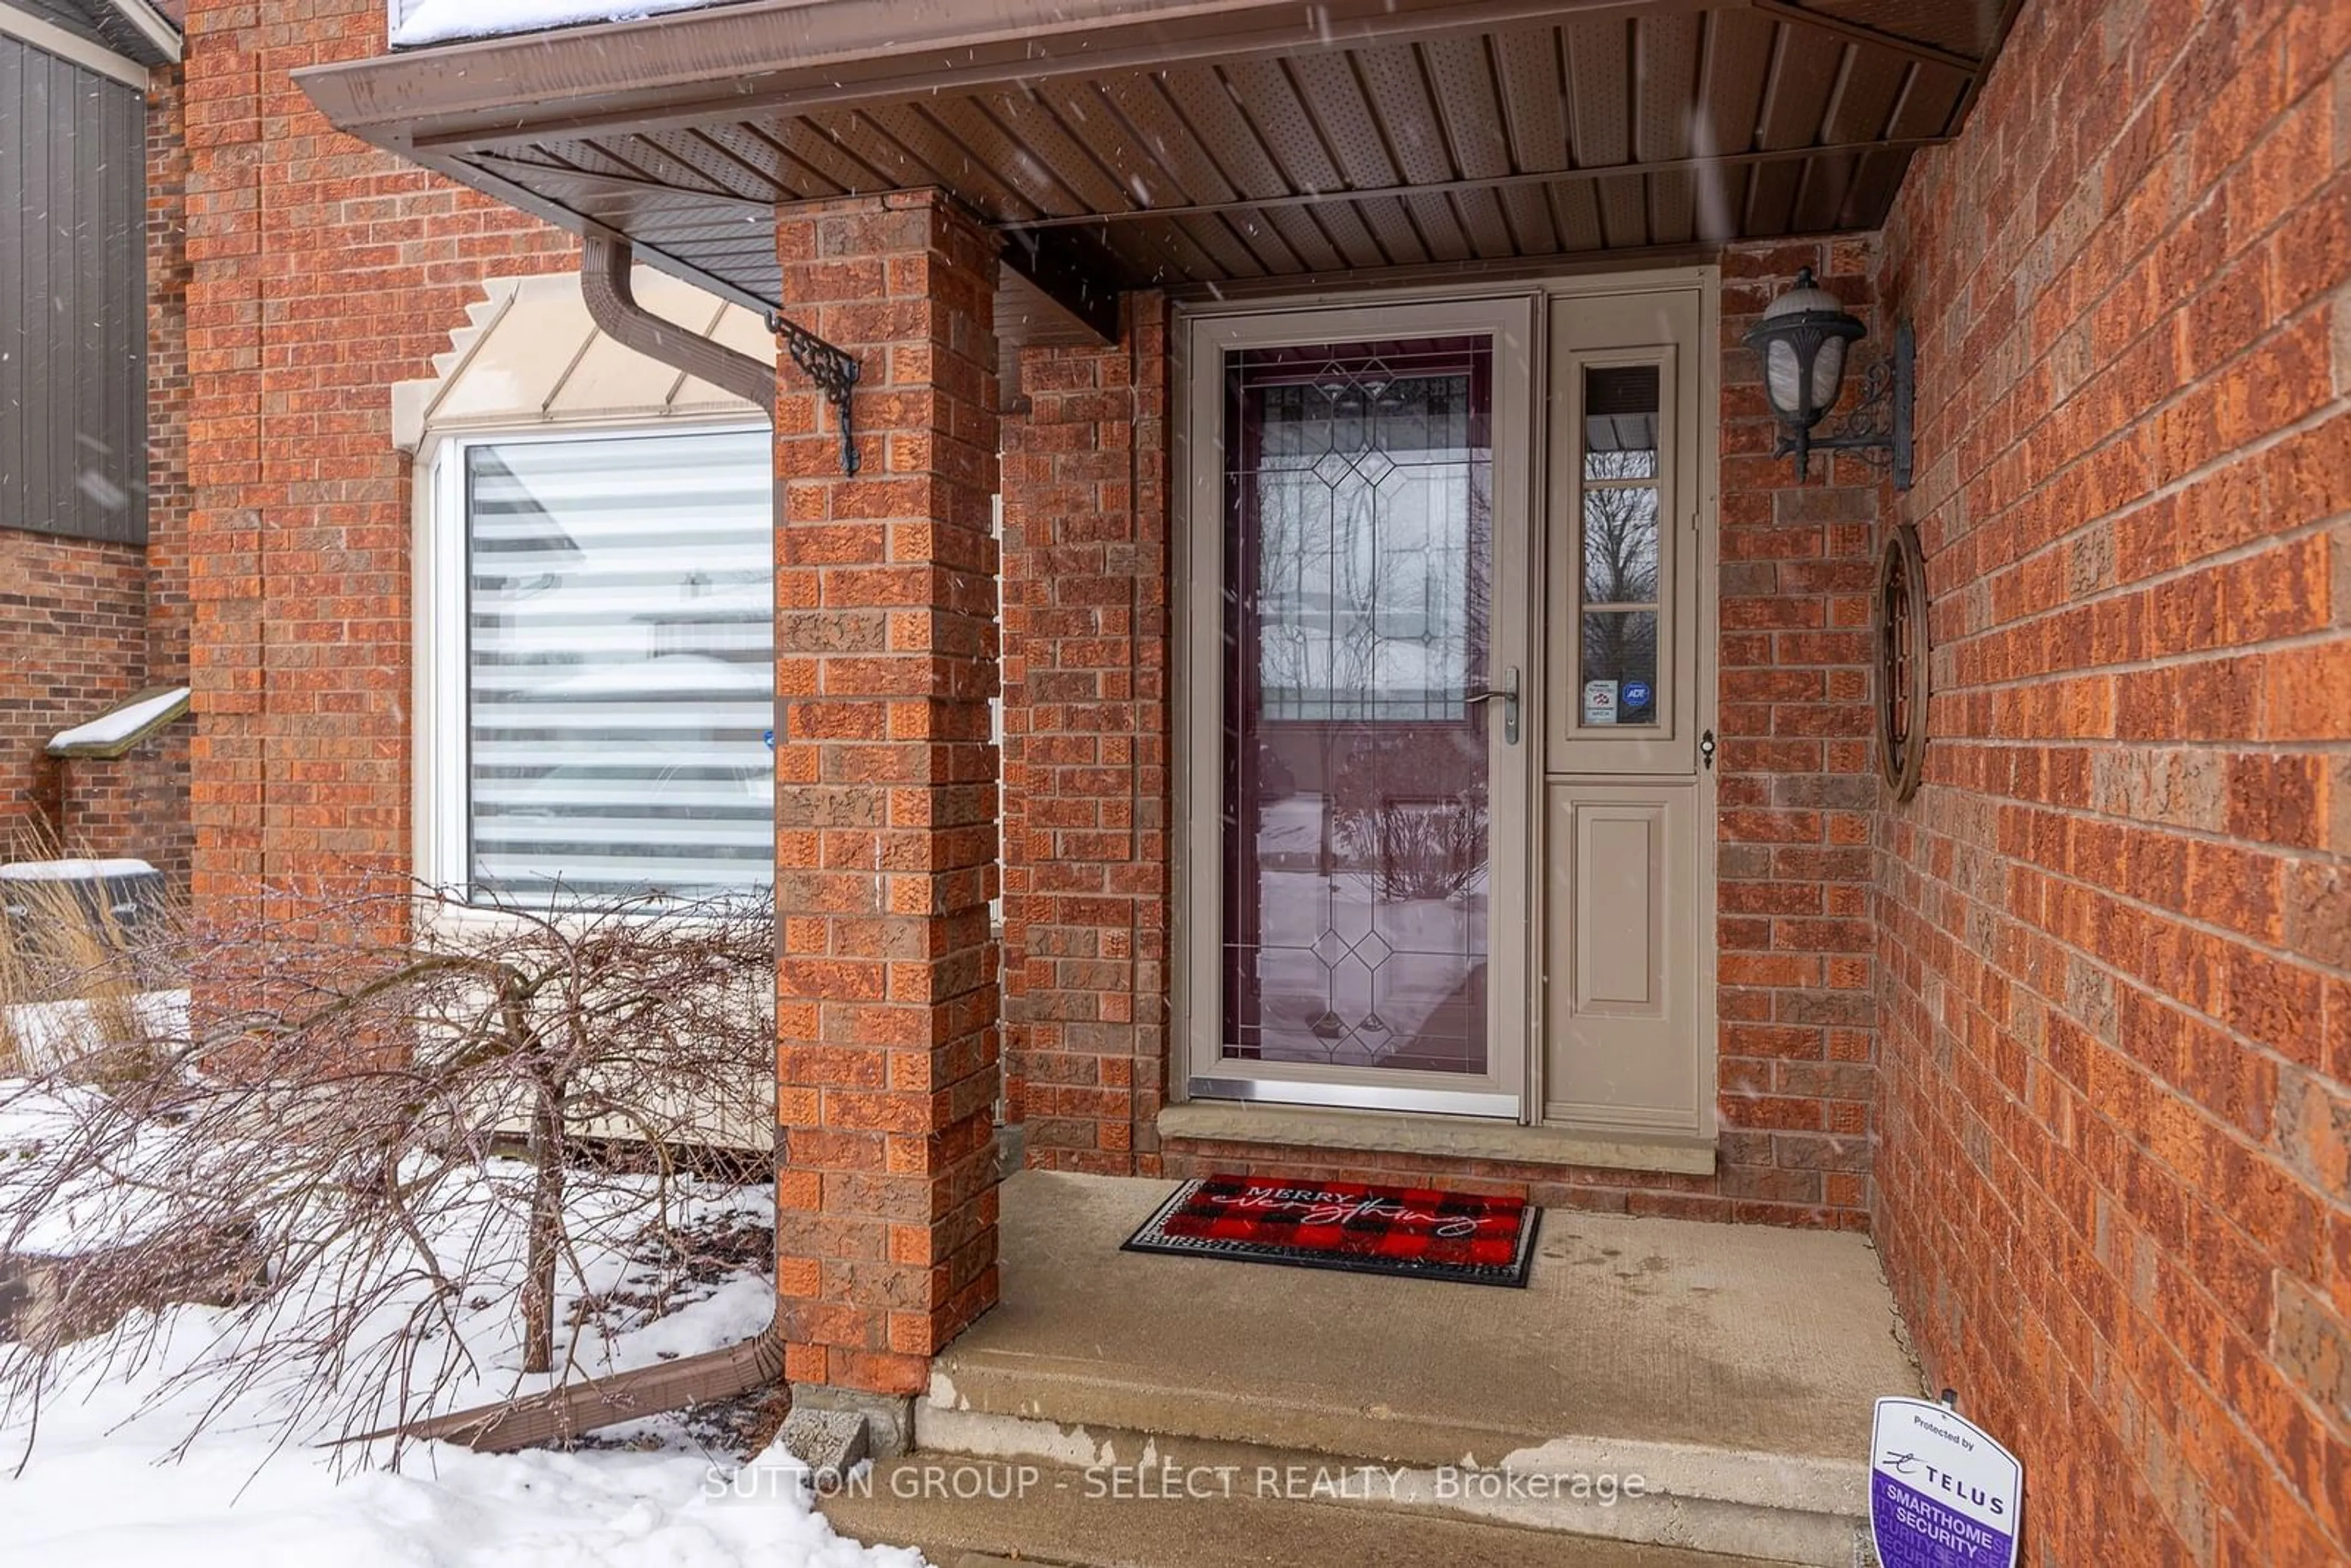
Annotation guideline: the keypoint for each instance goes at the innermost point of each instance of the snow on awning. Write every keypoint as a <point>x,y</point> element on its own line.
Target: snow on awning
<point>529,355</point>
<point>415,22</point>
<point>123,726</point>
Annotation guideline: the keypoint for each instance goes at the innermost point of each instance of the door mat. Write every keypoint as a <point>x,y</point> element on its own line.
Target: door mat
<point>1421,1233</point>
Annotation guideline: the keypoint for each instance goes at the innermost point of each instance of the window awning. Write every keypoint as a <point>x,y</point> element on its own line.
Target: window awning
<point>1128,143</point>
<point>530,356</point>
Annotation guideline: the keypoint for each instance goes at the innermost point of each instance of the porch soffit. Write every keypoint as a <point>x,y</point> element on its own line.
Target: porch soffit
<point>1117,145</point>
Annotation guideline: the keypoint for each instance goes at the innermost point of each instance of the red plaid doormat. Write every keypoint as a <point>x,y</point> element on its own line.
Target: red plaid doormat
<point>1419,1232</point>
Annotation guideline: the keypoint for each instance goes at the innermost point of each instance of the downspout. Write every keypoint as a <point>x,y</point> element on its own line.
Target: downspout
<point>604,266</point>
<point>563,1413</point>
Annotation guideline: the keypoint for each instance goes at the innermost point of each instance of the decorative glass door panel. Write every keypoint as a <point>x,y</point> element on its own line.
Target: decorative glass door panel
<point>1358,659</point>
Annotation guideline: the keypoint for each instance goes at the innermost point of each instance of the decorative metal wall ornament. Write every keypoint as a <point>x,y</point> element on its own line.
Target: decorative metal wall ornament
<point>1901,632</point>
<point>1802,340</point>
<point>834,371</point>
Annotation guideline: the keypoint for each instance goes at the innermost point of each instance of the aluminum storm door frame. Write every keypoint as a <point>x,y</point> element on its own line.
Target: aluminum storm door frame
<point>1358,882</point>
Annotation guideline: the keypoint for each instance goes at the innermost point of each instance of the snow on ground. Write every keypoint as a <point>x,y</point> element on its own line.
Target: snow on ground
<point>50,1033</point>
<point>101,1484</point>
<point>99,1497</point>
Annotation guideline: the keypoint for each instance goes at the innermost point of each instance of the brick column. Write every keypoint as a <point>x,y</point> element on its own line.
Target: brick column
<point>1086,748</point>
<point>885,821</point>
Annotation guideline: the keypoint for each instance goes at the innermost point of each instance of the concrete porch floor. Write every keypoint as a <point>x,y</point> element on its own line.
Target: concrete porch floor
<point>1734,1366</point>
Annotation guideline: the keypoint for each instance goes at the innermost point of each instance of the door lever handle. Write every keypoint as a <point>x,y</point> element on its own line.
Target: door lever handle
<point>1507,695</point>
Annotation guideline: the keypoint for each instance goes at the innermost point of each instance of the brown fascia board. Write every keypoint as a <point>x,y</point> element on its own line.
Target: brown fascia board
<point>755,57</point>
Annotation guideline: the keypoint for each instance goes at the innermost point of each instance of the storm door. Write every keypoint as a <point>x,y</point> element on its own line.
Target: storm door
<point>1365,667</point>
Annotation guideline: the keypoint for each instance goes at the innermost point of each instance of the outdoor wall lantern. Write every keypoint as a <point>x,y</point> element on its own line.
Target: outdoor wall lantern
<point>1803,340</point>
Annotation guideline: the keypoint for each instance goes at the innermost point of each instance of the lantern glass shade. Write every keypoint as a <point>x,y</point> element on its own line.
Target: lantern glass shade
<point>1802,339</point>
<point>1783,376</point>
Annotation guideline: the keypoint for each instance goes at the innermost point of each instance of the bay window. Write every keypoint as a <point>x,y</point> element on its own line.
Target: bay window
<point>599,696</point>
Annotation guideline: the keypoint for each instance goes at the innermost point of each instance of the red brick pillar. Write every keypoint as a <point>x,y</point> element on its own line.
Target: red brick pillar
<point>885,823</point>
<point>1086,748</point>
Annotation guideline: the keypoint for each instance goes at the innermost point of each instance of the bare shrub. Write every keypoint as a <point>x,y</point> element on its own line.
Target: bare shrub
<point>1420,849</point>
<point>1410,807</point>
<point>385,1148</point>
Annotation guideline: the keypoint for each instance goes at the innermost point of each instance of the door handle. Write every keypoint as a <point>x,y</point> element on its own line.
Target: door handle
<point>1507,695</point>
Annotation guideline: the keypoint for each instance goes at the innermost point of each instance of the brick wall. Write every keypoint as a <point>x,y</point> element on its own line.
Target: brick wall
<point>1086,748</point>
<point>1087,800</point>
<point>73,641</point>
<point>135,804</point>
<point>167,383</point>
<point>320,272</point>
<point>1798,787</point>
<point>2114,1185</point>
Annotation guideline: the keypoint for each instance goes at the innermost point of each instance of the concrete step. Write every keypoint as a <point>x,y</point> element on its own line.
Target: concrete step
<point>1772,1508</point>
<point>1730,1369</point>
<point>1066,1516</point>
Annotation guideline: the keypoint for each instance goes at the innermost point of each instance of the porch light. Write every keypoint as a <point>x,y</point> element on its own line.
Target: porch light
<point>1803,340</point>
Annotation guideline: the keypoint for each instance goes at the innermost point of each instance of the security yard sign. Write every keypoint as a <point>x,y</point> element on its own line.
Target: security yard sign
<point>1943,1494</point>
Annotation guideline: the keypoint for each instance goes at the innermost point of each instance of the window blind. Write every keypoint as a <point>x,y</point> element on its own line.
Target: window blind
<point>620,666</point>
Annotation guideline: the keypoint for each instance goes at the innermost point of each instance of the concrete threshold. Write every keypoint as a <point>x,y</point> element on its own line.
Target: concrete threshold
<point>1729,1368</point>
<point>1441,1137</point>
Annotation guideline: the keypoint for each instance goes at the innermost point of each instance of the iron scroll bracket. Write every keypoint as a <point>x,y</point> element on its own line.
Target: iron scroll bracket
<point>834,371</point>
<point>1879,429</point>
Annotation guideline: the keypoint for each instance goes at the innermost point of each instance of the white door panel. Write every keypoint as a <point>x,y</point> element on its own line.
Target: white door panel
<point>1623,960</point>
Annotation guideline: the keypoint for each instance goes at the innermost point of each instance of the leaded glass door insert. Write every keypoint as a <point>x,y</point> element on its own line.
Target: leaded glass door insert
<point>1358,658</point>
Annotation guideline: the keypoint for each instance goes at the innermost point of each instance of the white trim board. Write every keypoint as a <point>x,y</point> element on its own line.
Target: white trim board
<point>152,24</point>
<point>51,39</point>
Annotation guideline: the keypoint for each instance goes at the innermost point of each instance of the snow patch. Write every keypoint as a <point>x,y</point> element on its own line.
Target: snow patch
<point>105,1485</point>
<point>114,728</point>
<point>50,1033</point>
<point>101,1500</point>
<point>73,871</point>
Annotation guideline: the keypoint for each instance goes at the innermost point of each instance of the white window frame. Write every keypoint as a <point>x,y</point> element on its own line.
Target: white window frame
<point>440,799</point>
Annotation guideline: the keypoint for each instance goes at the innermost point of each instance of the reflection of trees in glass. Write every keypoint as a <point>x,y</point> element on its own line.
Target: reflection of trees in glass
<point>1620,533</point>
<point>1410,806</point>
<point>1367,608</point>
<point>1620,567</point>
<point>1622,646</point>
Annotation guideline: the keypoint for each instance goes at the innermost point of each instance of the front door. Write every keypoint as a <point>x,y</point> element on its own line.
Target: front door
<point>1443,706</point>
<point>1369,806</point>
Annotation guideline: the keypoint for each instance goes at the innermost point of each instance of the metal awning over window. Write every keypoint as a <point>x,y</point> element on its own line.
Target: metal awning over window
<point>1117,145</point>
<point>529,356</point>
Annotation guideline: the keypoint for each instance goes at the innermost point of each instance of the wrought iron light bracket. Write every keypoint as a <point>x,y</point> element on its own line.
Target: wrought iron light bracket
<point>834,371</point>
<point>1877,429</point>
